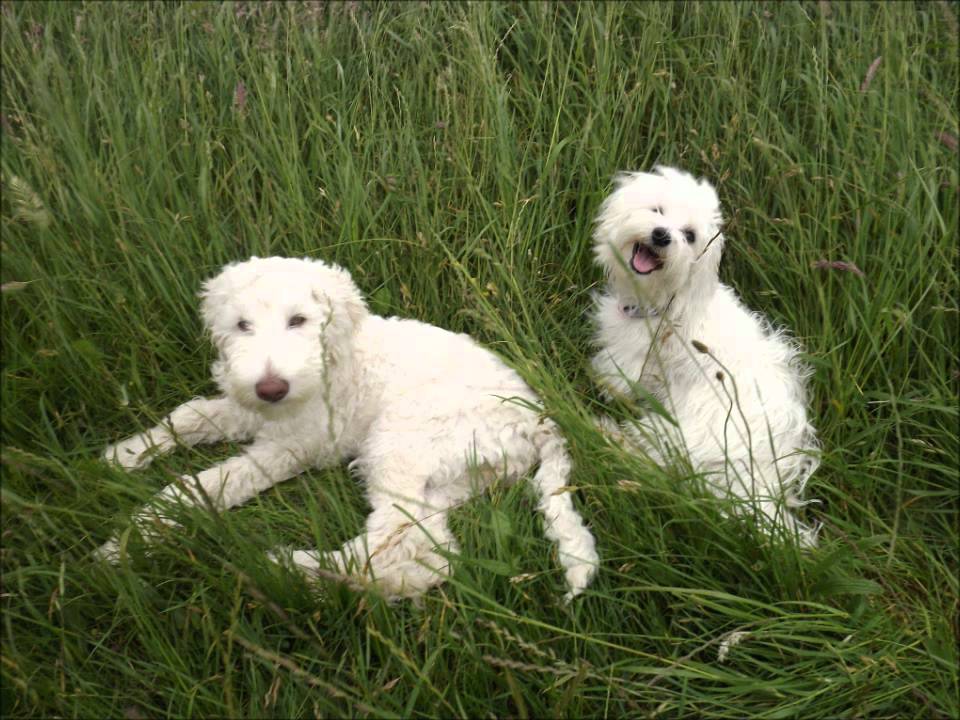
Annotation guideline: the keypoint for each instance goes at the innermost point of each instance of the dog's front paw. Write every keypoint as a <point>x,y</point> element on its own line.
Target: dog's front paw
<point>294,559</point>
<point>130,454</point>
<point>109,552</point>
<point>280,555</point>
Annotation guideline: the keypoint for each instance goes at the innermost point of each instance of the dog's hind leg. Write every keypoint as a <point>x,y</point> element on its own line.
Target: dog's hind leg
<point>401,551</point>
<point>405,563</point>
<point>779,515</point>
<point>402,533</point>
<point>201,420</point>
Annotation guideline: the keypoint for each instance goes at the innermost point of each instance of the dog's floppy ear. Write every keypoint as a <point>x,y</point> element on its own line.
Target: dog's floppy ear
<point>709,256</point>
<point>334,287</point>
<point>608,219</point>
<point>710,203</point>
<point>624,177</point>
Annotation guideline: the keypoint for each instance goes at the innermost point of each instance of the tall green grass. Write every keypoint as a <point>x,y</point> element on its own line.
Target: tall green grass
<point>452,157</point>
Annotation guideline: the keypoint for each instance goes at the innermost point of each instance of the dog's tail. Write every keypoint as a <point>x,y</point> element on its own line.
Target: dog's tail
<point>562,523</point>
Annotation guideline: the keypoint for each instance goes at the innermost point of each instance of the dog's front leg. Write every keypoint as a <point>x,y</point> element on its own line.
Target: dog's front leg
<point>223,486</point>
<point>201,420</point>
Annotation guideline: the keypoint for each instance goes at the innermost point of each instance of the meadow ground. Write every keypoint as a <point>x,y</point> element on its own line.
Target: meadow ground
<point>452,157</point>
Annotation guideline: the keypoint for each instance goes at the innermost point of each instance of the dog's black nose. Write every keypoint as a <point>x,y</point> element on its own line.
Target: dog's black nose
<point>660,237</point>
<point>272,389</point>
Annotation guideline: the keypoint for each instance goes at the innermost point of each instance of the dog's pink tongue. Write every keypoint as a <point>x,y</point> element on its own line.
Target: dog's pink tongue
<point>643,260</point>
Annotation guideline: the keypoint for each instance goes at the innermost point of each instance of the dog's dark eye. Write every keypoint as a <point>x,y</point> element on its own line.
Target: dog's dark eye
<point>690,235</point>
<point>244,325</point>
<point>659,210</point>
<point>296,321</point>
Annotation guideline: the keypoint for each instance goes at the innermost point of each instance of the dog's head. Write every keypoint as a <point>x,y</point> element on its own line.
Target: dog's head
<point>279,324</point>
<point>658,235</point>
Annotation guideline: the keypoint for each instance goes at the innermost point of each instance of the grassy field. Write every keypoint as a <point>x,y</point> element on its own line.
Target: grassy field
<point>452,156</point>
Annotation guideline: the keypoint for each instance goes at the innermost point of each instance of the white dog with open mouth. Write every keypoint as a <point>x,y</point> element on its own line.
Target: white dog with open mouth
<point>734,386</point>
<point>312,378</point>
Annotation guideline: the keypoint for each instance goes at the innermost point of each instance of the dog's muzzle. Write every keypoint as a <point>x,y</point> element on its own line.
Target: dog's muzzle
<point>645,260</point>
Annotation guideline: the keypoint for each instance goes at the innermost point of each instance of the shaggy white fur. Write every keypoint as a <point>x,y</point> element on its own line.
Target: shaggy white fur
<point>667,325</point>
<point>312,378</point>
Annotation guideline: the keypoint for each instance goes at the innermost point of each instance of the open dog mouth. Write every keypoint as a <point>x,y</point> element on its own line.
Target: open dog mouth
<point>644,260</point>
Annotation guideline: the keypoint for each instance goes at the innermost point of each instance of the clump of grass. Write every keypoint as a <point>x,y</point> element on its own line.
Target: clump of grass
<point>452,156</point>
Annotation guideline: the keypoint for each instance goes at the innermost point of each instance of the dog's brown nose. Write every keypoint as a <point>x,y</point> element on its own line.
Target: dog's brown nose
<point>272,389</point>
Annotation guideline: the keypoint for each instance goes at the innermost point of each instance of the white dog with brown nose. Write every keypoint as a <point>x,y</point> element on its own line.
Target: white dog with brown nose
<point>312,378</point>
<point>732,386</point>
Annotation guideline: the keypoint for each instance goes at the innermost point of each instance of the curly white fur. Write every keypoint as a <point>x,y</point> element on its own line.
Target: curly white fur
<point>312,378</point>
<point>666,324</point>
